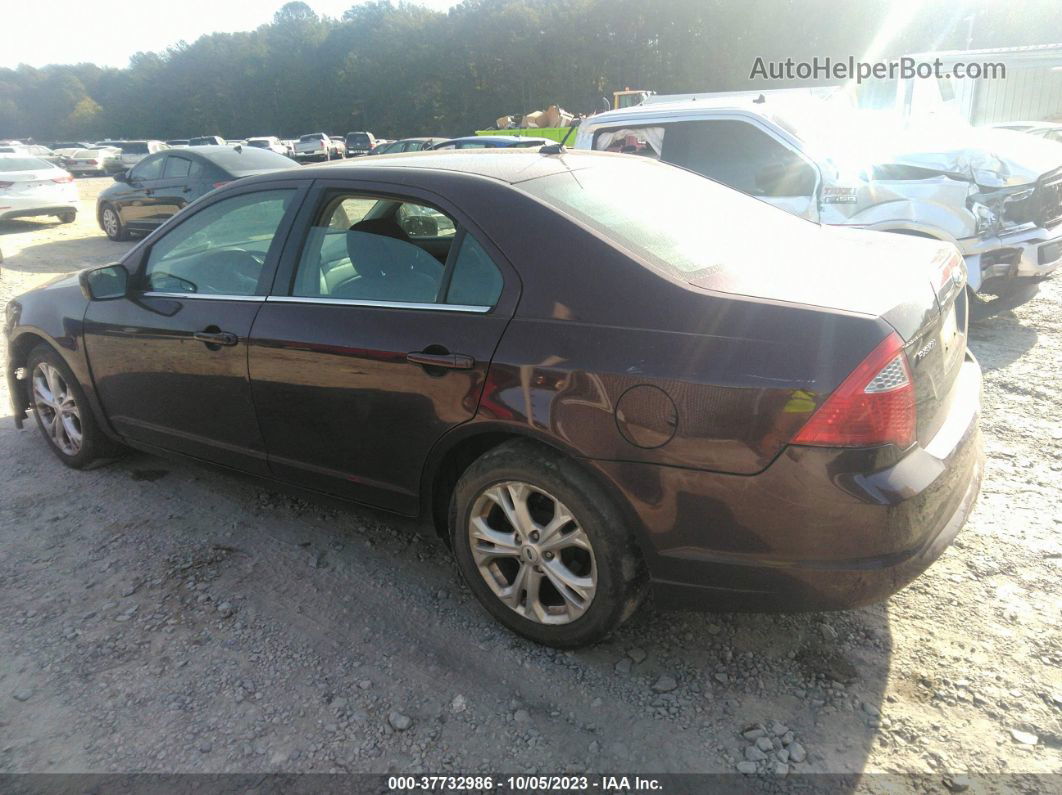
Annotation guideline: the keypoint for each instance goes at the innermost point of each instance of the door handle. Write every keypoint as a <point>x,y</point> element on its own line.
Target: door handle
<point>216,337</point>
<point>453,361</point>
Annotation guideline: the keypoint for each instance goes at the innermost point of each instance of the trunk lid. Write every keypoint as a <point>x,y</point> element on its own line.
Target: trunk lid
<point>916,285</point>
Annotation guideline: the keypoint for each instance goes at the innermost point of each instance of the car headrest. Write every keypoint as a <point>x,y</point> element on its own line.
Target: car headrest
<point>370,249</point>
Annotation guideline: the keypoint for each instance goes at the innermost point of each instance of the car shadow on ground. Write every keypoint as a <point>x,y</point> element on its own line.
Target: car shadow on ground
<point>60,256</point>
<point>1000,340</point>
<point>670,691</point>
<point>15,226</point>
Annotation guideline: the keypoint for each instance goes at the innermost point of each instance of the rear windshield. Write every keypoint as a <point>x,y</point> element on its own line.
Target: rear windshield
<point>90,154</point>
<point>674,219</point>
<point>22,164</point>
<point>358,139</point>
<point>261,143</point>
<point>250,159</point>
<point>307,138</point>
<point>133,147</point>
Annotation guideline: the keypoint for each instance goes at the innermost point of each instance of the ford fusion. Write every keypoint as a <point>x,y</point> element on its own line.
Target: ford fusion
<point>575,364</point>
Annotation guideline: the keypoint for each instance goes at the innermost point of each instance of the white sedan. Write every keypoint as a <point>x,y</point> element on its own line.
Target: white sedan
<point>30,186</point>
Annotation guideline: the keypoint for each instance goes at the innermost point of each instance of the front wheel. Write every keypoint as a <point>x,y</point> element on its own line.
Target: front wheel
<point>543,547</point>
<point>62,411</point>
<point>67,218</point>
<point>112,224</point>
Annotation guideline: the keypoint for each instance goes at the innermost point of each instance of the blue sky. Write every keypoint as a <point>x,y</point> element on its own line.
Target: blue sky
<point>107,32</point>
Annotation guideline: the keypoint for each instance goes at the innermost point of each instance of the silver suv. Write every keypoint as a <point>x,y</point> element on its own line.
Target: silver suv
<point>996,195</point>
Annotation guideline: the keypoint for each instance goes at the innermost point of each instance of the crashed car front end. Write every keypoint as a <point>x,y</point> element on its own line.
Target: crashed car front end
<point>1022,238</point>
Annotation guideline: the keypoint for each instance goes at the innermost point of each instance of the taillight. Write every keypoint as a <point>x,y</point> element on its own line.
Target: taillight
<point>64,178</point>
<point>949,268</point>
<point>874,405</point>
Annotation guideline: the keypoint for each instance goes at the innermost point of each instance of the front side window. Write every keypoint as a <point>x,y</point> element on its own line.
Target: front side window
<point>148,168</point>
<point>220,250</point>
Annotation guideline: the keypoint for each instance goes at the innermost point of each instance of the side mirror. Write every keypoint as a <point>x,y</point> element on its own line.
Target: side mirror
<point>121,176</point>
<point>786,179</point>
<point>105,282</point>
<point>421,226</point>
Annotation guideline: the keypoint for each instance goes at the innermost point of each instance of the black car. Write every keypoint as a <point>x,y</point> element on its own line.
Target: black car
<point>406,145</point>
<point>359,143</point>
<point>161,184</point>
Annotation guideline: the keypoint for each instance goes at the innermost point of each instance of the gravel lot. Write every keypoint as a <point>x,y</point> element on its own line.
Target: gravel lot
<point>158,615</point>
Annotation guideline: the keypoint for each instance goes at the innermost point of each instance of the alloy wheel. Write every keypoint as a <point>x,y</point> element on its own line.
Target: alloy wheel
<point>532,552</point>
<point>54,402</point>
<point>110,222</point>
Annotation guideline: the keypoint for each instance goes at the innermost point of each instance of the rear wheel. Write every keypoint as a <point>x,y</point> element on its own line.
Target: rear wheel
<point>112,224</point>
<point>67,218</point>
<point>62,411</point>
<point>543,547</point>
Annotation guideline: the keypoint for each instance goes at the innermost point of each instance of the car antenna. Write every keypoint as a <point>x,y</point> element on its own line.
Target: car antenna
<point>557,149</point>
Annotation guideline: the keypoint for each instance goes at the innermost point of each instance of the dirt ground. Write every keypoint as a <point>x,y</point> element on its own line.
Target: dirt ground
<point>157,615</point>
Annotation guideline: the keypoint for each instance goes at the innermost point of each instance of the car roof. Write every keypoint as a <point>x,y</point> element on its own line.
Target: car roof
<point>498,138</point>
<point>510,165</point>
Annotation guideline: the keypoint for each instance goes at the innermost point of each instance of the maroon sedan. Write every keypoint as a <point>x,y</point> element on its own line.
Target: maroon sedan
<point>597,374</point>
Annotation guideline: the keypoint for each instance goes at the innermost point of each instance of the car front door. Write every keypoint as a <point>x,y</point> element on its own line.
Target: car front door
<point>136,204</point>
<point>177,187</point>
<point>170,359</point>
<point>371,346</point>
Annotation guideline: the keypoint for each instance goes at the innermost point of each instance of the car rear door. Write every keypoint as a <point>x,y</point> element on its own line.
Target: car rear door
<point>370,347</point>
<point>170,359</point>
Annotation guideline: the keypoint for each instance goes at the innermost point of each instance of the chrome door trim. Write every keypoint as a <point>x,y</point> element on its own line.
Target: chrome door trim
<point>292,299</point>
<point>206,296</point>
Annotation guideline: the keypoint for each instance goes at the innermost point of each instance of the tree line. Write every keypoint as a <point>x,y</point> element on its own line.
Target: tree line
<point>400,69</point>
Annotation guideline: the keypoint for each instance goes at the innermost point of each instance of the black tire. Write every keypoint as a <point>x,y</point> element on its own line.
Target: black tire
<point>620,573</point>
<point>67,218</point>
<point>111,221</point>
<point>94,444</point>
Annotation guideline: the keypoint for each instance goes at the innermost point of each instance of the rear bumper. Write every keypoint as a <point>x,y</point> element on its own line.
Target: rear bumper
<point>818,529</point>
<point>20,208</point>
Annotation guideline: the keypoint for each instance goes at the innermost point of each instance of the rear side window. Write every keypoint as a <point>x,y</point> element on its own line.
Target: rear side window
<point>739,155</point>
<point>358,250</point>
<point>177,167</point>
<point>476,280</point>
<point>365,248</point>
